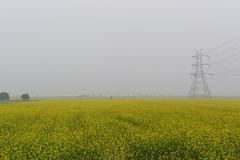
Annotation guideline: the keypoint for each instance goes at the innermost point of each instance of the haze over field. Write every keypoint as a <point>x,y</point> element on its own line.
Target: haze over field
<point>59,47</point>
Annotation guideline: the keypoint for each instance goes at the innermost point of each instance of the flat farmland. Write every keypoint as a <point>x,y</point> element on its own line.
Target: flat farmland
<point>144,129</point>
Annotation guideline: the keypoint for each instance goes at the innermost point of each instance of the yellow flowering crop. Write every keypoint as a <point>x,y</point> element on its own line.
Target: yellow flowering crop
<point>120,129</point>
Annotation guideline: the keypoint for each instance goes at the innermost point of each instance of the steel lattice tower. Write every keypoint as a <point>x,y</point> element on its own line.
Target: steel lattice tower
<point>199,88</point>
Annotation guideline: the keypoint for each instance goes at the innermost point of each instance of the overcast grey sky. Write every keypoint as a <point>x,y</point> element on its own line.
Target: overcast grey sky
<point>73,47</point>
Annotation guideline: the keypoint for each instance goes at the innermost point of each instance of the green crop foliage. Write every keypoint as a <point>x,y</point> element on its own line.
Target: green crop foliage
<point>120,129</point>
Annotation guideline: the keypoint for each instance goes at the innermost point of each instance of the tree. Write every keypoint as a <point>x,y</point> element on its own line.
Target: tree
<point>4,96</point>
<point>25,97</point>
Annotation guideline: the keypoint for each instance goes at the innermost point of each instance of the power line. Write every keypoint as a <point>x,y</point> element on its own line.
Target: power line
<point>219,69</point>
<point>230,71</point>
<point>225,75</point>
<point>229,56</point>
<point>221,46</point>
<point>226,61</point>
<point>236,54</point>
<point>227,51</point>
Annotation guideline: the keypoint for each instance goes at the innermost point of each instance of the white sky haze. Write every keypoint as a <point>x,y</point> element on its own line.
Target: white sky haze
<point>74,47</point>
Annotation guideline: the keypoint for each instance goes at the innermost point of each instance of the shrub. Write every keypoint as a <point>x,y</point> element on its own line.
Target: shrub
<point>25,97</point>
<point>4,96</point>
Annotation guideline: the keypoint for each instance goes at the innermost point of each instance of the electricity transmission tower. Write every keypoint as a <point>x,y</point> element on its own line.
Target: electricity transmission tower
<point>199,87</point>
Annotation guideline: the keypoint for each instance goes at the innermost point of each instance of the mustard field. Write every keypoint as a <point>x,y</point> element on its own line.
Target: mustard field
<point>120,129</point>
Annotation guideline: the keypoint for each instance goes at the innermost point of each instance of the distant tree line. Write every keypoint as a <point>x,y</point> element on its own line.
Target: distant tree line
<point>5,96</point>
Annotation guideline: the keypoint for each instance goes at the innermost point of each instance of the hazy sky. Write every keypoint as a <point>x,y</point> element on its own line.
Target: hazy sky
<point>74,47</point>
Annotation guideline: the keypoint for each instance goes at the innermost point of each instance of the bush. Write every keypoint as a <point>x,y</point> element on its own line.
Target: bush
<point>4,96</point>
<point>25,97</point>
